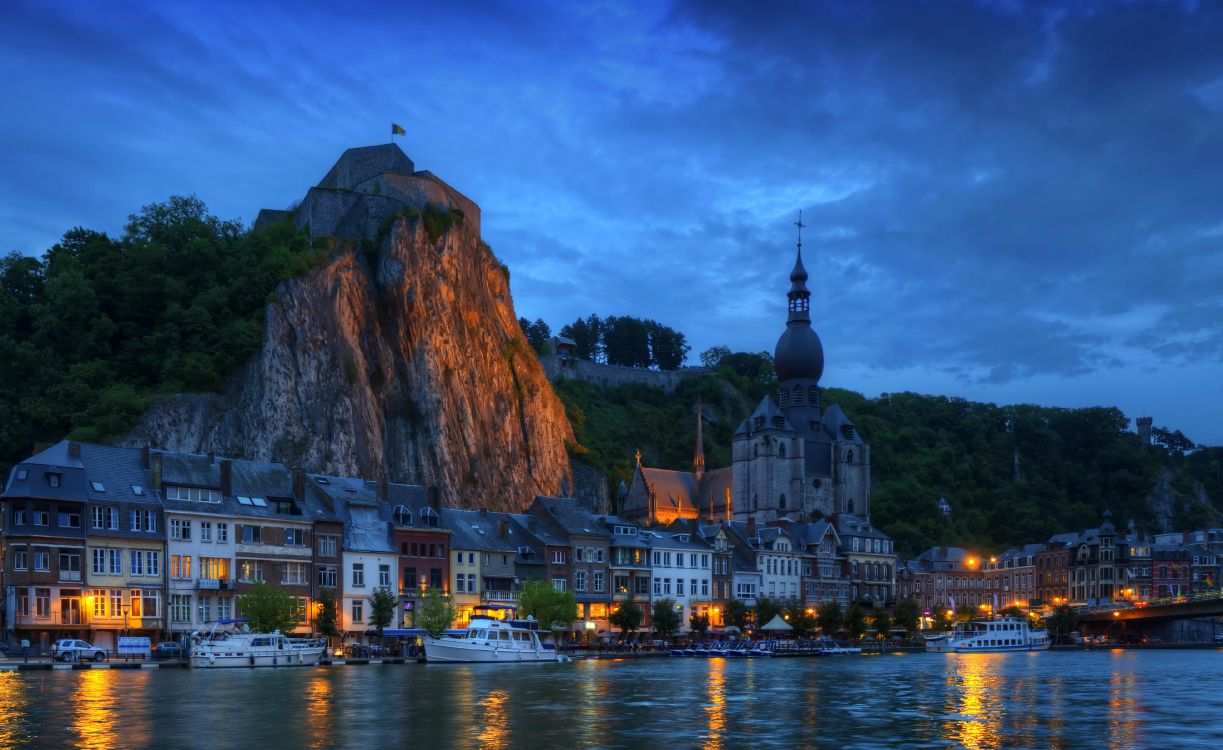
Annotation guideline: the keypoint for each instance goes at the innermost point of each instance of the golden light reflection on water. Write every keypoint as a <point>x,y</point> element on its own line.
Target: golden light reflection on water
<point>319,711</point>
<point>14,707</point>
<point>716,709</point>
<point>980,710</point>
<point>93,718</point>
<point>1124,710</point>
<point>496,732</point>
<point>595,688</point>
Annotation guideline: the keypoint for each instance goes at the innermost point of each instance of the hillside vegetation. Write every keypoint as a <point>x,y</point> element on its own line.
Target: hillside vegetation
<point>1012,474</point>
<point>94,327</point>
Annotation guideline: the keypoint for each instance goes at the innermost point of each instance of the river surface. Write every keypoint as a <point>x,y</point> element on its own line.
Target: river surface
<point>1114,699</point>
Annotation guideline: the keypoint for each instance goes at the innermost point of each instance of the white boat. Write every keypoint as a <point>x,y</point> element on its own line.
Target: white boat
<point>993,636</point>
<point>492,641</point>
<point>231,644</point>
<point>939,644</point>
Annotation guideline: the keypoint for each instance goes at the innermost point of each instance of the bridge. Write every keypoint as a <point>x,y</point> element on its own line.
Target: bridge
<point>1183,618</point>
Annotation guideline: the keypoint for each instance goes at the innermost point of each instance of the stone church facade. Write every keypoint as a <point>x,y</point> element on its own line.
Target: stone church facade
<point>792,459</point>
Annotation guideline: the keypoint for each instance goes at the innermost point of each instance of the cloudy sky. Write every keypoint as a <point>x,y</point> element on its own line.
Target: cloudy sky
<point>1012,202</point>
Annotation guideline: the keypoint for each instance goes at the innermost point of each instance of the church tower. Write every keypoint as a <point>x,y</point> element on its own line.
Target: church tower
<point>698,456</point>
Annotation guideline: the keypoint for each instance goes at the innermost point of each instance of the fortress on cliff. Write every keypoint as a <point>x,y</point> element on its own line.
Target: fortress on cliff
<point>365,187</point>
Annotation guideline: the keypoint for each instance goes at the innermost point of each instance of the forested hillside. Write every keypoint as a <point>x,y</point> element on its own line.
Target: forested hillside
<point>93,328</point>
<point>1012,474</point>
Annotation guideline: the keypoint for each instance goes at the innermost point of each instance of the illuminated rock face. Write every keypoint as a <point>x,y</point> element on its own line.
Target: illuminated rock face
<point>413,368</point>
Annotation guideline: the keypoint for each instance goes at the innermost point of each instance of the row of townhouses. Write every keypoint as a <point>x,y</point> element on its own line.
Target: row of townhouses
<point>102,541</point>
<point>1094,567</point>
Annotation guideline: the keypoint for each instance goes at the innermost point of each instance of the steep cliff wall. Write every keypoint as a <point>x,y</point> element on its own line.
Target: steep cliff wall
<point>414,368</point>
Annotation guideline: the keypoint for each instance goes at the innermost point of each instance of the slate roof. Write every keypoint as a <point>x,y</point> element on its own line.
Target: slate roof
<point>850,525</point>
<point>476,530</point>
<point>571,516</point>
<point>35,485</point>
<point>672,490</point>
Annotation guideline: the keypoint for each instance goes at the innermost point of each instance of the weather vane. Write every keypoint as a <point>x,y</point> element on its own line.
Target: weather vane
<point>800,226</point>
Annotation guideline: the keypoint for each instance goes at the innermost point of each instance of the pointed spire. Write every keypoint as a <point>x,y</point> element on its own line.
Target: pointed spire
<point>698,457</point>
<point>799,296</point>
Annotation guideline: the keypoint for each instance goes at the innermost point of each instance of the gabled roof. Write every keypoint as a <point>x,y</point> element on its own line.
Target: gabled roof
<point>570,515</point>
<point>772,416</point>
<point>834,423</point>
<point>673,490</point>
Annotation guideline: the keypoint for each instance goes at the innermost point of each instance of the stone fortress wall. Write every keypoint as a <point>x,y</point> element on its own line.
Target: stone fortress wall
<point>557,367</point>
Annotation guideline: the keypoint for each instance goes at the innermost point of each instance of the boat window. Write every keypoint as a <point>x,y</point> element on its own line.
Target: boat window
<point>505,636</point>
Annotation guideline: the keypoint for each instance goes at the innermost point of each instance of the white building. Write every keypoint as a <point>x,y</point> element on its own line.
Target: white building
<point>681,570</point>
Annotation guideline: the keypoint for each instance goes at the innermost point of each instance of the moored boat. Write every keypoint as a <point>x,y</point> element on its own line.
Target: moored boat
<point>231,644</point>
<point>993,636</point>
<point>488,640</point>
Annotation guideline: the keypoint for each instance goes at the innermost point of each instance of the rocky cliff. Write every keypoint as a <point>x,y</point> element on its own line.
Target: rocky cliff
<point>402,360</point>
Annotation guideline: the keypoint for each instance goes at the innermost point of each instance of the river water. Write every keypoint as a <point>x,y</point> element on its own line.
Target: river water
<point>1115,699</point>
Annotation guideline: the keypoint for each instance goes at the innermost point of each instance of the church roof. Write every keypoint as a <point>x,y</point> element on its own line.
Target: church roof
<point>772,416</point>
<point>838,426</point>
<point>673,490</point>
<point>715,485</point>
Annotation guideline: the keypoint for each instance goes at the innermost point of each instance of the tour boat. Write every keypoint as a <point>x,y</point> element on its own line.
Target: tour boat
<point>231,644</point>
<point>993,636</point>
<point>939,644</point>
<point>489,640</point>
<point>829,647</point>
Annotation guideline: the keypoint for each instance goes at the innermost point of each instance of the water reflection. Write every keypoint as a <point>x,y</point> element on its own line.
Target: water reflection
<point>93,722</point>
<point>13,707</point>
<point>715,711</point>
<point>1124,710</point>
<point>496,732</point>
<point>318,711</point>
<point>980,710</point>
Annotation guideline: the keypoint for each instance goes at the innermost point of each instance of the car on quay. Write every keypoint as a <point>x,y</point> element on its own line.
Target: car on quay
<point>76,650</point>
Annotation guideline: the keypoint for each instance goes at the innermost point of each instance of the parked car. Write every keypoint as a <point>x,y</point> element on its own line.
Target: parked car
<point>73,650</point>
<point>169,650</point>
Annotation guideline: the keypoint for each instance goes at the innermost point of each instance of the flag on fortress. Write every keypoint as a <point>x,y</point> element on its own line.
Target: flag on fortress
<point>397,129</point>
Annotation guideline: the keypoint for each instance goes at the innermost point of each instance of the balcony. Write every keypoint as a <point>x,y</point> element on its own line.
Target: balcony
<point>493,595</point>
<point>215,584</point>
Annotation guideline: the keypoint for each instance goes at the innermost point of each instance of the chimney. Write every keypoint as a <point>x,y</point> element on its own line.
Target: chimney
<point>503,528</point>
<point>144,457</point>
<point>484,511</point>
<point>155,471</point>
<point>299,485</point>
<point>212,457</point>
<point>382,489</point>
<point>751,527</point>
<point>435,499</point>
<point>74,450</point>
<point>227,477</point>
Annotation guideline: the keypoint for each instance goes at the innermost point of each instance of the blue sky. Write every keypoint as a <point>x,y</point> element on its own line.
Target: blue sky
<point>1012,202</point>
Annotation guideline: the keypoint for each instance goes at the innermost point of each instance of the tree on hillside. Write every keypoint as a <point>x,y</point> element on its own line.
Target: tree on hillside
<point>627,618</point>
<point>713,356</point>
<point>268,610</point>
<point>587,335</point>
<point>537,334</point>
<point>435,612</point>
<point>553,610</point>
<point>666,617</point>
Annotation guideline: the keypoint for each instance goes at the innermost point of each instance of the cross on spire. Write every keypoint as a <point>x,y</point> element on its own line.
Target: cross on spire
<point>800,226</point>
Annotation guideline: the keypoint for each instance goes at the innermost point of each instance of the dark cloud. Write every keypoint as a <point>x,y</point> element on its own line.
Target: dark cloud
<point>1005,200</point>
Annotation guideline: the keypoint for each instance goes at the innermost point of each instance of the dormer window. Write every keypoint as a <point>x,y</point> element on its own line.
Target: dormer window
<point>848,431</point>
<point>779,422</point>
<point>54,479</point>
<point>403,516</point>
<point>429,516</point>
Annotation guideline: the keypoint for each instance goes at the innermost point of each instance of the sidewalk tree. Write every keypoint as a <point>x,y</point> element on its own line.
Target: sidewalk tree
<point>737,613</point>
<point>905,615</point>
<point>699,623</point>
<point>268,609</point>
<point>830,618</point>
<point>382,609</point>
<point>1061,622</point>
<point>434,613</point>
<point>855,622</point>
<point>666,618</point>
<point>802,620</point>
<point>766,609</point>
<point>627,618</point>
<point>882,623</point>
<point>553,610</point>
<point>325,623</point>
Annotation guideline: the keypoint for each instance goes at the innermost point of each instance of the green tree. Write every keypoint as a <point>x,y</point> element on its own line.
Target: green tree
<point>627,618</point>
<point>855,622</point>
<point>1062,621</point>
<point>830,618</point>
<point>382,604</point>
<point>881,622</point>
<point>699,623</point>
<point>326,622</point>
<point>766,610</point>
<point>434,613</point>
<point>799,618</point>
<point>713,356</point>
<point>268,610</point>
<point>940,621</point>
<point>665,617</point>
<point>906,614</point>
<point>737,613</point>
<point>553,610</point>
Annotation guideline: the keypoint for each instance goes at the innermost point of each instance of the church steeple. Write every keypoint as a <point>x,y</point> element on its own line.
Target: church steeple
<point>698,456</point>
<point>799,296</point>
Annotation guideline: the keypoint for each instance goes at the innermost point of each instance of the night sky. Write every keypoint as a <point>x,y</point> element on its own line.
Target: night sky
<point>1005,201</point>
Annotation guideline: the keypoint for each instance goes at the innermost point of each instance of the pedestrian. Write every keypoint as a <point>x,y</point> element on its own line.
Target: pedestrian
<point>25,649</point>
